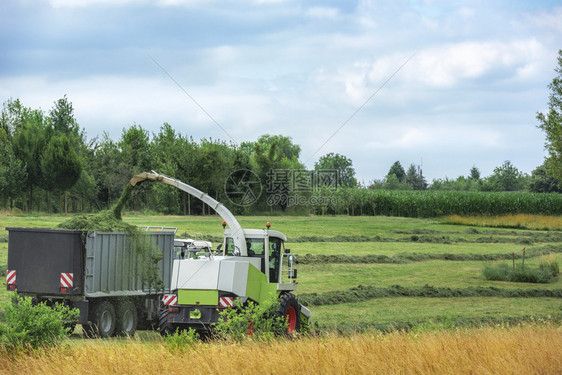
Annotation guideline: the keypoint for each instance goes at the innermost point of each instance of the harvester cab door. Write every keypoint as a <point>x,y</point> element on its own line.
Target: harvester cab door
<point>276,247</point>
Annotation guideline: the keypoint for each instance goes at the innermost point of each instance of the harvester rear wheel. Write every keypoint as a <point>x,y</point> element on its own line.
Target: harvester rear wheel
<point>165,328</point>
<point>289,310</point>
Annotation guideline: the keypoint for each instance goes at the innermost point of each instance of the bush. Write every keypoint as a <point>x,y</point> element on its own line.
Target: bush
<point>30,326</point>
<point>544,273</point>
<point>251,320</point>
<point>182,339</point>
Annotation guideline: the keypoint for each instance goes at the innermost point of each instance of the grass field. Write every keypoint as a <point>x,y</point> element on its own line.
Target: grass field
<point>438,340</point>
<point>389,236</point>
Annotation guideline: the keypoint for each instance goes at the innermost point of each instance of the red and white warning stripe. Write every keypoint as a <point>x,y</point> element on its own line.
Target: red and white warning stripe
<point>170,299</point>
<point>226,301</point>
<point>10,277</point>
<point>66,280</point>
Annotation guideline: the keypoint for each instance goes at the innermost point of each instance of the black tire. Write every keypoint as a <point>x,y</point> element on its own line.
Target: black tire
<point>71,327</point>
<point>89,331</point>
<point>127,318</point>
<point>165,328</point>
<point>104,320</point>
<point>289,309</point>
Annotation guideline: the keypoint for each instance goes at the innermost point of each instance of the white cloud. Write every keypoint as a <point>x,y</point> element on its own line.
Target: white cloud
<point>480,72</point>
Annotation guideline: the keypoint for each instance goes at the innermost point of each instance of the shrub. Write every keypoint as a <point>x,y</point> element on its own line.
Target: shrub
<point>544,273</point>
<point>182,339</point>
<point>250,320</point>
<point>32,326</point>
<point>549,264</point>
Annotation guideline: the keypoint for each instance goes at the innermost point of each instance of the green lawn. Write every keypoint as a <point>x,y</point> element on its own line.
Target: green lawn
<point>439,273</point>
<point>397,235</point>
<point>393,248</point>
<point>401,309</point>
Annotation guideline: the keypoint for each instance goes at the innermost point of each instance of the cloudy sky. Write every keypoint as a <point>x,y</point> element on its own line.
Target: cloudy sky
<point>451,84</point>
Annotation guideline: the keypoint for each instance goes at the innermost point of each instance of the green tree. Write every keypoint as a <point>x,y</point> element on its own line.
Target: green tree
<point>397,170</point>
<point>136,157</point>
<point>475,173</point>
<point>136,148</point>
<point>393,183</point>
<point>551,124</point>
<point>340,163</point>
<point>28,142</point>
<point>63,121</point>
<point>415,178</point>
<point>542,182</point>
<point>283,146</point>
<point>60,166</point>
<point>506,178</point>
<point>12,171</point>
<point>108,170</point>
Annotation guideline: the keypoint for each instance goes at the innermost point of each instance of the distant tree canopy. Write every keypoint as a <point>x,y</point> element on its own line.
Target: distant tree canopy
<point>46,164</point>
<point>340,163</point>
<point>397,170</point>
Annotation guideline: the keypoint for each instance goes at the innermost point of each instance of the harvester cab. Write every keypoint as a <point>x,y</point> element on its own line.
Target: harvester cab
<point>249,265</point>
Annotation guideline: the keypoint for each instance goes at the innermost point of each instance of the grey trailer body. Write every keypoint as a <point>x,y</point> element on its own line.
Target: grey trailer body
<point>97,272</point>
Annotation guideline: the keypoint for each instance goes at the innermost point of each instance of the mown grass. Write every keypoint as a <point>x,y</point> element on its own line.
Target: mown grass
<point>524,221</point>
<point>411,239</point>
<point>454,274</point>
<point>409,309</point>
<point>395,248</point>
<point>526,349</point>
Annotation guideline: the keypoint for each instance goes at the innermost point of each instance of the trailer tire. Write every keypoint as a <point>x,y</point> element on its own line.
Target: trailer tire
<point>165,328</point>
<point>289,309</point>
<point>104,320</point>
<point>127,318</point>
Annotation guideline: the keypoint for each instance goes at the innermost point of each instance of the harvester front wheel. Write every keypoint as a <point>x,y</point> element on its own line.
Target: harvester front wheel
<point>290,311</point>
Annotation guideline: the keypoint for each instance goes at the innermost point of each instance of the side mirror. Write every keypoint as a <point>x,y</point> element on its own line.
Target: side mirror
<point>290,261</point>
<point>287,251</point>
<point>219,246</point>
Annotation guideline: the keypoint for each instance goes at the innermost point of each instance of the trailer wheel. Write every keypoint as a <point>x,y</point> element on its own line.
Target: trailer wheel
<point>165,328</point>
<point>126,318</point>
<point>290,311</point>
<point>104,320</point>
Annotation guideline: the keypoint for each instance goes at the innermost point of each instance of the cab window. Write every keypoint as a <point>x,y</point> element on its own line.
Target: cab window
<point>229,246</point>
<point>255,246</point>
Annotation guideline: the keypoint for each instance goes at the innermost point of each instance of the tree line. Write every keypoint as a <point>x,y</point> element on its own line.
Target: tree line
<point>48,164</point>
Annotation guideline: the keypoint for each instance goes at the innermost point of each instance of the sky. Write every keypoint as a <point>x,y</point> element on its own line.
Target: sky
<point>447,85</point>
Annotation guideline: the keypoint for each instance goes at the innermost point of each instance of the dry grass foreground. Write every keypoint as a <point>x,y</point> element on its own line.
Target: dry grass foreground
<point>515,350</point>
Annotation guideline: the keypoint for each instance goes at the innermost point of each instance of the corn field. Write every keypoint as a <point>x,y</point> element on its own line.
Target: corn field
<point>352,201</point>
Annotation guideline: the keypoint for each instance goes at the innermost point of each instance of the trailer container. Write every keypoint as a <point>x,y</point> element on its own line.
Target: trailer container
<point>97,272</point>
